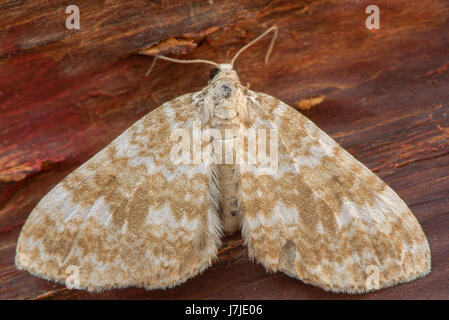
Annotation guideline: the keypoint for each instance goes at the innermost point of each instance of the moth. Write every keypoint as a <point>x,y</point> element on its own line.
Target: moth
<point>138,214</point>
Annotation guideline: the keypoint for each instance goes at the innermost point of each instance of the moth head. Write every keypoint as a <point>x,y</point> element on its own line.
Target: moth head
<point>223,71</point>
<point>224,97</point>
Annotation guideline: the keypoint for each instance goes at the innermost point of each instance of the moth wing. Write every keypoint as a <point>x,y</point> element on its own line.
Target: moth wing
<point>323,217</point>
<point>129,216</point>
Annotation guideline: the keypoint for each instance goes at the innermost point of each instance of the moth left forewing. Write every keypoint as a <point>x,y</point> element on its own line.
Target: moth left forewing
<point>324,217</point>
<point>129,216</point>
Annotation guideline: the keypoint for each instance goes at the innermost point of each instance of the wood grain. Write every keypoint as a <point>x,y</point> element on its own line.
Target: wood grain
<point>65,94</point>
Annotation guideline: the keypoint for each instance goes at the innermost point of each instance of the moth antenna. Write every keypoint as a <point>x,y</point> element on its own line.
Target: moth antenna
<point>270,47</point>
<point>177,61</point>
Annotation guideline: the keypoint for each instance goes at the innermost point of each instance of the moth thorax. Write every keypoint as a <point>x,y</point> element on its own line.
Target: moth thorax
<point>224,99</point>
